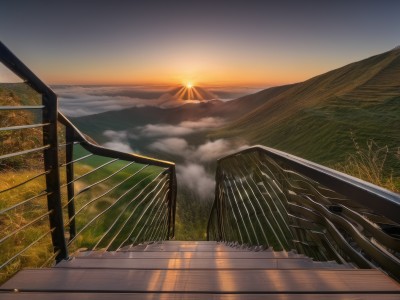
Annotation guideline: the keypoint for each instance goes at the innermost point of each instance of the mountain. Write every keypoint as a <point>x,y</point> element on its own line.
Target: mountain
<point>318,119</point>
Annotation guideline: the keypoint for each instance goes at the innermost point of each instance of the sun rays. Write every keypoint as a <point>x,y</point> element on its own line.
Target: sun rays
<point>190,92</point>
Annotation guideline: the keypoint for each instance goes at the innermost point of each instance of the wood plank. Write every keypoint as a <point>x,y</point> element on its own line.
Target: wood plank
<point>184,247</point>
<point>185,254</point>
<point>209,281</point>
<point>141,247</point>
<point>174,242</point>
<point>186,264</point>
<point>174,296</point>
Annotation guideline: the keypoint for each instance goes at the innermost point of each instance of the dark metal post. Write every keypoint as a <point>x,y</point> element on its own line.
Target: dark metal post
<point>172,202</point>
<point>69,153</point>
<point>51,165</point>
<point>218,205</point>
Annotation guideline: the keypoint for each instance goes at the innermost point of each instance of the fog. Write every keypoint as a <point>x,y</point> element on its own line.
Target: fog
<point>184,128</point>
<point>76,100</point>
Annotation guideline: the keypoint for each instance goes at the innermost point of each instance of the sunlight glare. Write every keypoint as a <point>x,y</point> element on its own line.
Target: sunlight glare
<point>189,85</point>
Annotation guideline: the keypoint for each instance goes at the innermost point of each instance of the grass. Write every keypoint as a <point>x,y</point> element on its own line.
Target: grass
<point>17,218</point>
<point>192,216</point>
<point>369,163</point>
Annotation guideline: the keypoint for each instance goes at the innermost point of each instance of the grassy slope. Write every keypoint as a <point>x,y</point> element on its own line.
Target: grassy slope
<point>317,119</point>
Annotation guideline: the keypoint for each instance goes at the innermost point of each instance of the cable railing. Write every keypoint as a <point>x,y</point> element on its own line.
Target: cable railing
<point>60,192</point>
<point>265,197</point>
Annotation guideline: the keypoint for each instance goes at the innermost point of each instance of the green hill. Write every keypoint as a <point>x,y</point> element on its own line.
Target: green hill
<point>318,119</point>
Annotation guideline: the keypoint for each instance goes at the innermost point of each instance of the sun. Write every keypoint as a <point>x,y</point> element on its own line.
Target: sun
<point>189,85</point>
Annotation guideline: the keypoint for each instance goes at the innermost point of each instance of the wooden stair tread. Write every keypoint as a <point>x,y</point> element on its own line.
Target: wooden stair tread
<point>187,263</point>
<point>187,254</point>
<point>193,296</point>
<point>208,281</point>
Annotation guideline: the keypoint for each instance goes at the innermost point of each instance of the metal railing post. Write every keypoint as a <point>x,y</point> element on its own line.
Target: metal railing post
<point>172,203</point>
<point>69,153</point>
<point>51,165</point>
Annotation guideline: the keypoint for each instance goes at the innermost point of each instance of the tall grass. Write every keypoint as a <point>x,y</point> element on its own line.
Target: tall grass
<point>19,217</point>
<point>369,163</point>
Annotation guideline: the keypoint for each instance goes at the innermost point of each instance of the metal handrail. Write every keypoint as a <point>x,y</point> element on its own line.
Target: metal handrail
<point>66,208</point>
<point>327,212</point>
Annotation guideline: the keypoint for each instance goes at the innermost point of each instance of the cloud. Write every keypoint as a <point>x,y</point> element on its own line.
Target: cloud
<point>191,174</point>
<point>119,146</point>
<point>209,151</point>
<point>76,101</point>
<point>213,150</point>
<point>183,128</point>
<point>203,123</point>
<point>118,140</point>
<point>194,177</point>
<point>155,130</point>
<point>176,146</point>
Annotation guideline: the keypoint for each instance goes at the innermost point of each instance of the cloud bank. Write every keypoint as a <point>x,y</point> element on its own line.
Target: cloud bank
<point>183,128</point>
<point>192,173</point>
<point>76,101</point>
<point>194,177</point>
<point>119,140</point>
<point>170,139</point>
<point>207,152</point>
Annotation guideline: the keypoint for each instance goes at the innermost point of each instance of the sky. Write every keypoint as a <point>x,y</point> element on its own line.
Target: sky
<point>210,43</point>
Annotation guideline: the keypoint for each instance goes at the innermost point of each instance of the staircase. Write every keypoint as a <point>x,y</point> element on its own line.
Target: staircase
<point>198,270</point>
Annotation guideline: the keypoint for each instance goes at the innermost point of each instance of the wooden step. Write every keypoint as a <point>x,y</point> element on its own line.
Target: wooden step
<point>195,264</point>
<point>183,247</point>
<point>193,296</point>
<point>187,254</point>
<point>202,281</point>
<point>197,296</point>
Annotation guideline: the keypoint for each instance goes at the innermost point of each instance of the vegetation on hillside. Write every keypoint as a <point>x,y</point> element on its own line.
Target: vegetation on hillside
<point>18,140</point>
<point>369,163</point>
<point>317,119</point>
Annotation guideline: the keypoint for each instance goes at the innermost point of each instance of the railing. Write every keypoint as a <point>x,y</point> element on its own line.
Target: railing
<point>60,191</point>
<point>270,198</point>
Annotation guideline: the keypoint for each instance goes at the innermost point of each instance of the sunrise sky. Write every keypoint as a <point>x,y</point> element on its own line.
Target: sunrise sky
<point>255,43</point>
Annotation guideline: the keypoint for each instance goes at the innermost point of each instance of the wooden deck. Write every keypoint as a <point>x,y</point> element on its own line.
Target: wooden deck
<point>198,270</point>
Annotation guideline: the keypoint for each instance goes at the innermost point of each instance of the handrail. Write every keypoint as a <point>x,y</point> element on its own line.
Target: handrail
<point>379,199</point>
<point>58,158</point>
<point>99,150</point>
<point>267,197</point>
